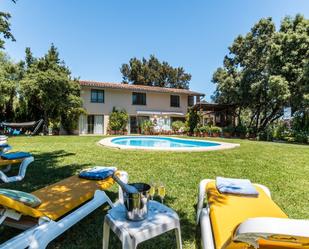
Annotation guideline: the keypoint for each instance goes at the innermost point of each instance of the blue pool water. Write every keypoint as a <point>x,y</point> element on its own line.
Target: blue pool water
<point>161,142</point>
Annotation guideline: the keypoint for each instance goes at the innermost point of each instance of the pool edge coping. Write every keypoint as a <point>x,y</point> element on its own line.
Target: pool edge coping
<point>222,145</point>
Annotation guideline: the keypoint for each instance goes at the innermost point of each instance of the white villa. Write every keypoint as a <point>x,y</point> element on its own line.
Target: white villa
<point>161,105</point>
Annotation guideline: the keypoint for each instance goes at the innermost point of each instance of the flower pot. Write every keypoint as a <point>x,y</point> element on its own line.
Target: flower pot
<point>215,134</point>
<point>227,134</point>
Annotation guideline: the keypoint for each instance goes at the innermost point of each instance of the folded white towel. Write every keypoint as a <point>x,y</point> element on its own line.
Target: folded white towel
<point>236,186</point>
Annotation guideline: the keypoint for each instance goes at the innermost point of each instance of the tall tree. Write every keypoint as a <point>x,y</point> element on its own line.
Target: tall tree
<point>152,72</point>
<point>50,91</point>
<point>291,57</point>
<point>5,27</point>
<point>265,71</point>
<point>10,74</point>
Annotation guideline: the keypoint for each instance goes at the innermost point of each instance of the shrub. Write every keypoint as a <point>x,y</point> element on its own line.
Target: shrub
<point>204,129</point>
<point>147,126</point>
<point>266,135</point>
<point>178,125</point>
<point>228,129</point>
<point>281,130</point>
<point>301,137</point>
<point>215,129</point>
<point>193,119</point>
<point>241,130</point>
<point>118,120</point>
<point>54,126</point>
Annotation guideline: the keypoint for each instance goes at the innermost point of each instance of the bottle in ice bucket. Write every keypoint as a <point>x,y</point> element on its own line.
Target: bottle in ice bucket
<point>136,197</point>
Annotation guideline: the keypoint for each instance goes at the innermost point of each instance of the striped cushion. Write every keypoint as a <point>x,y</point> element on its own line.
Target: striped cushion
<point>25,198</point>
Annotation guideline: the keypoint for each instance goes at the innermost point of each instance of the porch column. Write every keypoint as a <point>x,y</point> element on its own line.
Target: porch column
<point>105,124</point>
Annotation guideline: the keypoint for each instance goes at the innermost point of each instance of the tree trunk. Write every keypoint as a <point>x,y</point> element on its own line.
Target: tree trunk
<point>46,122</point>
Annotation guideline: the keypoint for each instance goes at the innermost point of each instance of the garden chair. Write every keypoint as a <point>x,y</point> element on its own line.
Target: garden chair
<point>23,159</point>
<point>239,222</point>
<point>63,204</point>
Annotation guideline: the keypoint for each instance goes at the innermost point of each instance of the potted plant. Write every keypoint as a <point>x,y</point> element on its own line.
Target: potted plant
<point>215,131</point>
<point>147,127</point>
<point>204,130</point>
<point>178,126</point>
<point>195,131</point>
<point>187,131</point>
<point>54,128</point>
<point>228,131</point>
<point>118,120</point>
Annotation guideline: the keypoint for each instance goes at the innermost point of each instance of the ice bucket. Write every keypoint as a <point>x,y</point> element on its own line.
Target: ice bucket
<point>137,204</point>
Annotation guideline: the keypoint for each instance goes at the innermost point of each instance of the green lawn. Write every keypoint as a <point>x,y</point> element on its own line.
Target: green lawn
<point>284,168</point>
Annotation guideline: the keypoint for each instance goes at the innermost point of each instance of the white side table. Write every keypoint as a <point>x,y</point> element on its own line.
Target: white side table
<point>160,219</point>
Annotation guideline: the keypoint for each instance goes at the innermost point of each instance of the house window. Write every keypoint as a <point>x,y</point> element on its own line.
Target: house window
<point>175,101</point>
<point>190,101</point>
<point>138,98</point>
<point>97,96</point>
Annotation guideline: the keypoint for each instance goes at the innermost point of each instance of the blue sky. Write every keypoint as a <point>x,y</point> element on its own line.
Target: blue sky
<point>95,37</point>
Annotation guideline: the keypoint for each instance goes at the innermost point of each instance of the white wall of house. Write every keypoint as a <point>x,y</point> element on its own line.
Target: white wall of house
<point>122,99</point>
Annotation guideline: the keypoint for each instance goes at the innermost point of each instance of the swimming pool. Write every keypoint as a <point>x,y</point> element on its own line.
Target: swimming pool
<point>164,143</point>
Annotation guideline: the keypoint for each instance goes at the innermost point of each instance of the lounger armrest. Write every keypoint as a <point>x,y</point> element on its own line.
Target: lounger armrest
<point>201,197</point>
<point>275,229</point>
<point>124,177</point>
<point>21,173</point>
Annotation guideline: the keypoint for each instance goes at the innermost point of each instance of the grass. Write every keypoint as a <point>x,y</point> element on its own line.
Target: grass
<point>283,168</point>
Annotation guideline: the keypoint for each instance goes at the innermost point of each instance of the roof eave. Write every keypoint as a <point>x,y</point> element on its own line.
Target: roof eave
<point>190,93</point>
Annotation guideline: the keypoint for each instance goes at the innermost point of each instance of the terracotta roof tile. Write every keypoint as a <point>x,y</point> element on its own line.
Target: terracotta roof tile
<point>110,85</point>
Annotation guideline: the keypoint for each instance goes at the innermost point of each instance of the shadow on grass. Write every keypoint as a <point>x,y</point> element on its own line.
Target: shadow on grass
<point>167,240</point>
<point>48,169</point>
<point>45,170</point>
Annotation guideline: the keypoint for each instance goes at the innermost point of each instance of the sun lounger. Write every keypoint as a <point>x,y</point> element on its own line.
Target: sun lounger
<point>241,222</point>
<point>4,148</point>
<point>23,159</point>
<point>3,139</point>
<point>63,204</point>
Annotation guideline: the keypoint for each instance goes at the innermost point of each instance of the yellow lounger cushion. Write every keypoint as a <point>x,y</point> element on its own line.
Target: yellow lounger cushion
<point>19,207</point>
<point>60,198</point>
<point>266,244</point>
<point>228,211</point>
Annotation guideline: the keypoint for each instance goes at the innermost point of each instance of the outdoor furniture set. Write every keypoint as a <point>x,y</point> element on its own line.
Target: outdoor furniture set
<point>237,214</point>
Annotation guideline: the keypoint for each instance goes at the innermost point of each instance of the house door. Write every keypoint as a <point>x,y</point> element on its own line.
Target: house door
<point>95,124</point>
<point>90,124</point>
<point>133,125</point>
<point>136,123</point>
<point>98,124</point>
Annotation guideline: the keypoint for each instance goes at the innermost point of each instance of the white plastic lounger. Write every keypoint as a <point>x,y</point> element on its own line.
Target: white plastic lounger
<point>54,216</point>
<point>238,222</point>
<point>8,159</point>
